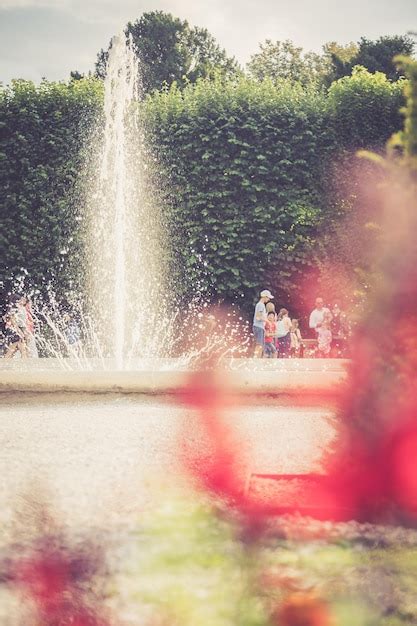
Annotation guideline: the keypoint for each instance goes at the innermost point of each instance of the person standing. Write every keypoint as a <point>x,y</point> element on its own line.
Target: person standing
<point>32,350</point>
<point>284,334</point>
<point>317,315</point>
<point>270,351</point>
<point>15,337</point>
<point>296,340</point>
<point>259,319</point>
<point>270,308</point>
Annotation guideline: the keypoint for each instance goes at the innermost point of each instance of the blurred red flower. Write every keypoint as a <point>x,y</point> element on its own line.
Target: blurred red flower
<point>218,471</point>
<point>54,577</point>
<point>303,609</point>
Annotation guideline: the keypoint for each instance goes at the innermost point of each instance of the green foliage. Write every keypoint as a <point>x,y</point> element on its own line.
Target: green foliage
<point>407,138</point>
<point>244,172</point>
<point>185,548</point>
<point>365,111</point>
<point>205,57</point>
<point>365,108</point>
<point>283,60</point>
<point>242,181</point>
<point>375,56</point>
<point>339,60</point>
<point>343,53</point>
<point>43,130</point>
<point>170,50</point>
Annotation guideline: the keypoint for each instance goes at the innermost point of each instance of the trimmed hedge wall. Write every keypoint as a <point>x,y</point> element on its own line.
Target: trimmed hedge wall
<point>365,108</point>
<point>243,179</point>
<point>247,170</point>
<point>43,133</point>
<point>242,170</point>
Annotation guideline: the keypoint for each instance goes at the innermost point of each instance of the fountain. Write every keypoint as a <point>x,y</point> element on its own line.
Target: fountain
<point>126,339</point>
<point>126,236</point>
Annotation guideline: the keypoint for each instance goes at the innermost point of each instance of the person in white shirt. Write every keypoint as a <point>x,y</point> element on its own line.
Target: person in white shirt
<point>317,315</point>
<point>259,319</point>
<point>283,334</point>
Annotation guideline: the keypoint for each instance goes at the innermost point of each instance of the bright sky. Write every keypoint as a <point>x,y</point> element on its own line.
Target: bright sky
<point>49,38</point>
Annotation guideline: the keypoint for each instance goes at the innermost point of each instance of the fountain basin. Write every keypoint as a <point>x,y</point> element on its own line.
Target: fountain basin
<point>295,377</point>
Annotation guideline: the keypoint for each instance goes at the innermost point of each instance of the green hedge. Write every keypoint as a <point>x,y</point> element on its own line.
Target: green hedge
<point>242,178</point>
<point>365,108</point>
<point>242,170</point>
<point>248,173</point>
<point>44,131</point>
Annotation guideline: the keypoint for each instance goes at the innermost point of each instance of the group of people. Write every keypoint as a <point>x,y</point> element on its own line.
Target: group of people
<point>331,328</point>
<point>278,336</point>
<point>19,329</point>
<point>275,333</point>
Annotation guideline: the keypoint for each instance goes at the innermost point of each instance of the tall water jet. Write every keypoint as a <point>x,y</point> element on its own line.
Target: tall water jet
<point>119,93</point>
<point>126,268</point>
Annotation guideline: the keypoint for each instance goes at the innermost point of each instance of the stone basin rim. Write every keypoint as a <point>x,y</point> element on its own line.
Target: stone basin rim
<point>316,378</point>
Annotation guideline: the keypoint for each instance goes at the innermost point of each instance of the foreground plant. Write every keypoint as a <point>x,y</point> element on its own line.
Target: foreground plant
<point>373,476</point>
<point>57,581</point>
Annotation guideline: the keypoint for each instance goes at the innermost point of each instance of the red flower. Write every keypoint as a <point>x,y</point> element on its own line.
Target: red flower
<point>303,609</point>
<point>44,578</point>
<point>53,576</point>
<point>219,471</point>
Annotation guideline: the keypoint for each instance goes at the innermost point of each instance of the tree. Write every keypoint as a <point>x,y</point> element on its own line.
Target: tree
<point>339,59</point>
<point>205,57</point>
<point>170,50</point>
<point>343,52</point>
<point>375,56</point>
<point>76,75</point>
<point>284,60</point>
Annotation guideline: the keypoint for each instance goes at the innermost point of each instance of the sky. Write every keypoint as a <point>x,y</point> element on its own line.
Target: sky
<point>49,38</point>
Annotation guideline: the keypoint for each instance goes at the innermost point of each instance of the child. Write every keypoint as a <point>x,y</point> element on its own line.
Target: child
<point>72,334</point>
<point>296,340</point>
<point>283,334</point>
<point>270,351</point>
<point>324,339</point>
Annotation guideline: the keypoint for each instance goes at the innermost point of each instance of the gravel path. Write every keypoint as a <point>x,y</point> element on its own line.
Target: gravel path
<point>98,458</point>
<point>97,455</point>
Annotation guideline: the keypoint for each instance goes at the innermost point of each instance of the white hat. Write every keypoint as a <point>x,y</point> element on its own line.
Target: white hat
<point>266,294</point>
